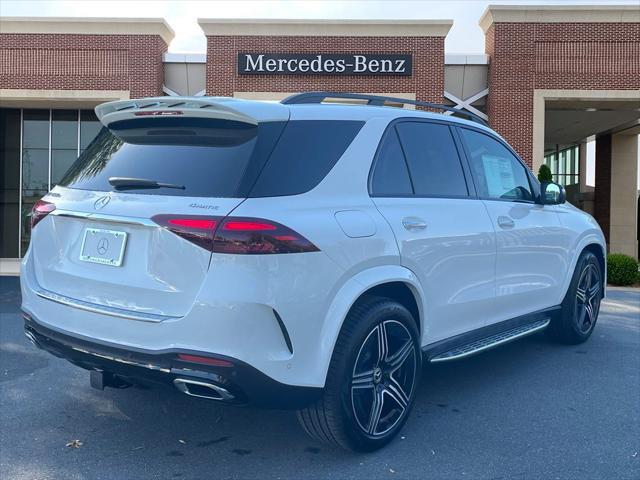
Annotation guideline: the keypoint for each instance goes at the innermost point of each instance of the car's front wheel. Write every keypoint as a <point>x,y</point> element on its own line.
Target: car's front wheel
<point>372,378</point>
<point>580,308</point>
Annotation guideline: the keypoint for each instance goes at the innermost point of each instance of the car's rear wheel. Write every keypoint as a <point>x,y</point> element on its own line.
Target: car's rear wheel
<point>581,305</point>
<point>372,378</point>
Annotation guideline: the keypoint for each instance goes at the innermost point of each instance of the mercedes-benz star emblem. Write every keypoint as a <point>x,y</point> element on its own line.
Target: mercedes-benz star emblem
<point>101,202</point>
<point>103,246</point>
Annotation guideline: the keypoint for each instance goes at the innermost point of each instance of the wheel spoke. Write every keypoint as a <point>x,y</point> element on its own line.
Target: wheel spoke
<point>396,392</point>
<point>594,290</point>
<point>589,312</point>
<point>383,343</point>
<point>362,380</point>
<point>582,317</point>
<point>398,359</point>
<point>376,411</point>
<point>581,294</point>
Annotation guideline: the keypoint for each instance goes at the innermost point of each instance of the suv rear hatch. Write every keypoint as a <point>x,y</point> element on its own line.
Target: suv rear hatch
<point>158,167</point>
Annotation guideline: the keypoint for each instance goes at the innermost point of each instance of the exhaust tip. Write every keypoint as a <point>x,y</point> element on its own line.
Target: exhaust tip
<point>196,388</point>
<point>31,337</point>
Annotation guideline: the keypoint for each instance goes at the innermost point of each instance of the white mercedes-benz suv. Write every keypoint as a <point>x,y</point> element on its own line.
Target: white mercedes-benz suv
<point>302,254</point>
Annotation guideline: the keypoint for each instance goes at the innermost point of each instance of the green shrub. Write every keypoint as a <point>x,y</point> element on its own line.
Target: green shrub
<point>544,174</point>
<point>621,269</point>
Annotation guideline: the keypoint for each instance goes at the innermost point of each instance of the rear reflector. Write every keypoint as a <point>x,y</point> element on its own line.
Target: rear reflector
<point>216,362</point>
<point>40,210</point>
<point>236,235</point>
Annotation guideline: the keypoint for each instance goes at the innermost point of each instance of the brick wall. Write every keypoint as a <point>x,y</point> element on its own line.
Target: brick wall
<point>567,56</point>
<point>82,62</point>
<point>427,80</point>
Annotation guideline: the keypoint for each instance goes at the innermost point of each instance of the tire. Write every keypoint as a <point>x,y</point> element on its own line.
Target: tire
<point>581,305</point>
<point>358,380</point>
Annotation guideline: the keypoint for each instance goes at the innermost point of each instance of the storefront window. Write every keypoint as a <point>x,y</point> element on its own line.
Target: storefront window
<point>89,128</point>
<point>35,164</point>
<point>564,165</point>
<point>37,147</point>
<point>9,181</point>
<point>64,142</point>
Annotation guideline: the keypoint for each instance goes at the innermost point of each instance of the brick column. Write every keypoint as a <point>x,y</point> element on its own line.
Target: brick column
<point>623,233</point>
<point>602,195</point>
<point>554,48</point>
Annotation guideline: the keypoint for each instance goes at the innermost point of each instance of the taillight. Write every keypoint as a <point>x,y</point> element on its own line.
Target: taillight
<point>257,236</point>
<point>198,230</point>
<point>40,210</point>
<point>237,235</point>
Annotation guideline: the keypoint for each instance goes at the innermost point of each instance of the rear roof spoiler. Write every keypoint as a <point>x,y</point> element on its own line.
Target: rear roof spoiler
<point>203,107</point>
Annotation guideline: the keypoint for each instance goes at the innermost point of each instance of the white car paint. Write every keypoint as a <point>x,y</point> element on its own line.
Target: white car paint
<point>464,271</point>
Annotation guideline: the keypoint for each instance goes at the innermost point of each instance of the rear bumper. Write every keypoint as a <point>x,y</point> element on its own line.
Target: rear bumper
<point>245,384</point>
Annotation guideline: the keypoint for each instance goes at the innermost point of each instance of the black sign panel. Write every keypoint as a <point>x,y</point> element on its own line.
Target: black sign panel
<point>323,64</point>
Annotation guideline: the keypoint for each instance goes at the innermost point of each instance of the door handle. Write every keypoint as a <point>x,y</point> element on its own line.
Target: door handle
<point>414,223</point>
<point>506,222</point>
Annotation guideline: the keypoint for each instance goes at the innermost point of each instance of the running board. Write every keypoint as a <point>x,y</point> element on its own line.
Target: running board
<point>491,341</point>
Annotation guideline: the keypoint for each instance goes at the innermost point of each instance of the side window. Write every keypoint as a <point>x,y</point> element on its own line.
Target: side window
<point>391,177</point>
<point>432,156</point>
<point>497,172</point>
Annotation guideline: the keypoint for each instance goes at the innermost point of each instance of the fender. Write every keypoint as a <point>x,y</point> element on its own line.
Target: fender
<point>347,295</point>
<point>592,237</point>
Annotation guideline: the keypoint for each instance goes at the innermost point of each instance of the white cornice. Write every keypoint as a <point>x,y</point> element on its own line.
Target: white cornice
<point>325,28</point>
<point>558,14</point>
<point>88,26</point>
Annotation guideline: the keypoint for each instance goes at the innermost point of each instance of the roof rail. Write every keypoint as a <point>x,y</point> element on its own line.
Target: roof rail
<point>378,100</point>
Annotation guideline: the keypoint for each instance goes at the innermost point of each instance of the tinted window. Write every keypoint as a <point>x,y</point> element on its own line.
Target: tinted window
<point>209,157</point>
<point>304,155</point>
<point>433,159</point>
<point>391,176</point>
<point>497,172</point>
<point>64,142</point>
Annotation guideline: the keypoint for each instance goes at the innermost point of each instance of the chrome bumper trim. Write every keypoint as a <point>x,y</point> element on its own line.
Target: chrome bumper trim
<point>103,309</point>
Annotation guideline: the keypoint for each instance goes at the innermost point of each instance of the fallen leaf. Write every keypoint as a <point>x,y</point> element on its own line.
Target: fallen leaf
<point>74,444</point>
<point>392,470</point>
<point>182,442</point>
<point>634,455</point>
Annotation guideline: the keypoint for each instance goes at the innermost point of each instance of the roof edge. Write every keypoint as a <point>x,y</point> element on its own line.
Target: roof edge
<point>88,26</point>
<point>325,28</point>
<point>558,14</point>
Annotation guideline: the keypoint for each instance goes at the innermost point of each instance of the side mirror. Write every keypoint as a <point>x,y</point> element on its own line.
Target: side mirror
<point>552,194</point>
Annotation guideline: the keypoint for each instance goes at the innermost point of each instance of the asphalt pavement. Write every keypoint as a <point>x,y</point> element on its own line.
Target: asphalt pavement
<point>528,410</point>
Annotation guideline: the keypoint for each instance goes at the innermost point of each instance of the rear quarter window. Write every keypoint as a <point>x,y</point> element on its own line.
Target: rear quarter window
<point>304,155</point>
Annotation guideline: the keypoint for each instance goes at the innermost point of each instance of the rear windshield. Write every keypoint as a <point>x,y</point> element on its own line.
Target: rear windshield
<point>213,158</point>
